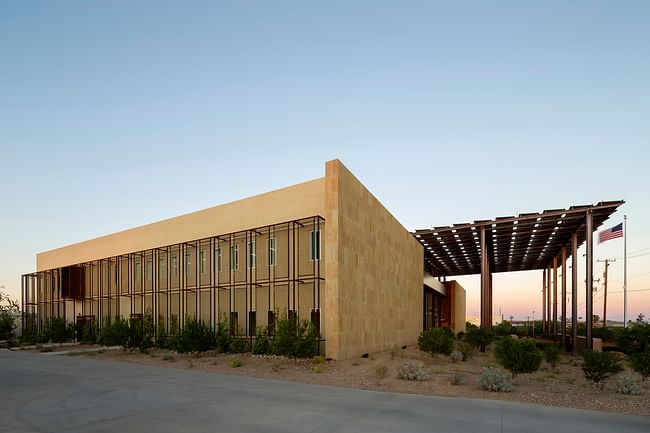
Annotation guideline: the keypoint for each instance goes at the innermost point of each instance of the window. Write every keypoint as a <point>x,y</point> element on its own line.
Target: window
<point>149,270</point>
<point>217,258</point>
<point>314,245</point>
<point>162,271</point>
<point>174,266</point>
<point>234,257</point>
<point>138,272</point>
<point>188,263</point>
<point>272,250</point>
<point>202,260</point>
<point>251,254</point>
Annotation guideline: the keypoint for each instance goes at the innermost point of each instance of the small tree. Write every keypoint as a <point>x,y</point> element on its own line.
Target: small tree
<point>9,309</point>
<point>436,340</point>
<point>479,337</point>
<point>598,366</point>
<point>518,356</point>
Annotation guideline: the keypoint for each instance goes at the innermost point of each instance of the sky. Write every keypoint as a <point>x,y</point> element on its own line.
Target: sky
<point>117,114</point>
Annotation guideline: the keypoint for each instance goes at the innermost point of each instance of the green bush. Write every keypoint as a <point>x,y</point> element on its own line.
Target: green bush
<point>89,332</point>
<point>436,340</point>
<point>115,333</point>
<point>236,363</point>
<point>56,330</point>
<point>635,338</point>
<point>504,328</point>
<point>223,339</point>
<point>239,345</point>
<point>466,349</point>
<point>479,337</point>
<point>552,354</point>
<point>298,339</point>
<point>629,384</point>
<point>518,356</point>
<point>196,336</point>
<point>598,366</point>
<point>641,363</point>
<point>261,345</point>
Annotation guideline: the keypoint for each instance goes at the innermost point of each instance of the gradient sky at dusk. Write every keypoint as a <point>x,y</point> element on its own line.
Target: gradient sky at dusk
<point>117,114</point>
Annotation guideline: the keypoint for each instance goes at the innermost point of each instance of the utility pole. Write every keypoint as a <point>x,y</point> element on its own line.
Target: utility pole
<point>607,263</point>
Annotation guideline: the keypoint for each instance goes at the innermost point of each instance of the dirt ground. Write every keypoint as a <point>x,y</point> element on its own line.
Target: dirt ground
<point>563,386</point>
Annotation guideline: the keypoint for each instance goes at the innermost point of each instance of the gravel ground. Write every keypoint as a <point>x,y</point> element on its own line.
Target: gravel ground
<point>563,386</point>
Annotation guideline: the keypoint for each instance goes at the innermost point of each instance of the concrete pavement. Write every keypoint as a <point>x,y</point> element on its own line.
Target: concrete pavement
<point>73,394</point>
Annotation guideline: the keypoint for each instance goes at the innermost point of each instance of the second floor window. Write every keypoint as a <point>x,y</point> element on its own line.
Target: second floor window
<point>149,270</point>
<point>234,257</point>
<point>188,263</point>
<point>272,251</point>
<point>251,254</point>
<point>217,258</point>
<point>202,260</point>
<point>314,245</point>
<point>174,266</point>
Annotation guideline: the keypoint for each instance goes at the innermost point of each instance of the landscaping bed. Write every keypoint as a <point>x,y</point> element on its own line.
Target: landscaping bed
<point>563,385</point>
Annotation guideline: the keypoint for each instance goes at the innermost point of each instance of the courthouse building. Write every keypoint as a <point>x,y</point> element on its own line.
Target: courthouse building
<point>325,251</point>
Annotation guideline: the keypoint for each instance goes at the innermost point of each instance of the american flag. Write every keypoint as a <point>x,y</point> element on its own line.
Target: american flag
<point>614,232</point>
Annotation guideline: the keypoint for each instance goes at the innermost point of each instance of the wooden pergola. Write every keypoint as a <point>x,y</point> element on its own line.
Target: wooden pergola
<point>524,242</point>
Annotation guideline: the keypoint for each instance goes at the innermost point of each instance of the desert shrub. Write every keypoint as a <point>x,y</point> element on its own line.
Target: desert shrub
<point>223,339</point>
<point>319,359</point>
<point>413,370</point>
<point>479,337</point>
<point>504,328</point>
<point>89,333</point>
<point>629,384</point>
<point>261,345</point>
<point>518,356</point>
<point>598,366</point>
<point>56,330</point>
<point>169,358</point>
<point>466,349</point>
<point>319,369</point>
<point>640,362</point>
<point>236,363</point>
<point>456,356</point>
<point>552,354</point>
<point>635,338</point>
<point>436,340</point>
<point>380,371</point>
<point>239,345</point>
<point>456,378</point>
<point>196,336</point>
<point>495,380</point>
<point>295,338</point>
<point>115,333</point>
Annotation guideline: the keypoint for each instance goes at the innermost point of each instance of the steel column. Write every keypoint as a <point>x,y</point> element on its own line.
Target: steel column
<point>486,321</point>
<point>543,314</point>
<point>548,300</point>
<point>590,278</point>
<point>574,293</point>
<point>554,295</point>
<point>564,269</point>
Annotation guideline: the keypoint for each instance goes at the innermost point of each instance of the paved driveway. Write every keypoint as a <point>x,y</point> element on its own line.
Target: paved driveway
<point>71,394</point>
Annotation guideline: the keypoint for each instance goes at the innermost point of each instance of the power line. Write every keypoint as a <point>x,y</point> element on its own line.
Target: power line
<point>637,290</point>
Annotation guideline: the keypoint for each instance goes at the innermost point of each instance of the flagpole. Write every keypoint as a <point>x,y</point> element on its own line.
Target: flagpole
<point>625,271</point>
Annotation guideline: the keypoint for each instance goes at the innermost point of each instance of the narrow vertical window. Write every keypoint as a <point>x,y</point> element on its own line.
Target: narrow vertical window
<point>217,258</point>
<point>162,271</point>
<point>188,263</point>
<point>314,245</point>
<point>174,266</point>
<point>234,257</point>
<point>138,272</point>
<point>149,270</point>
<point>251,254</point>
<point>272,251</point>
<point>202,260</point>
